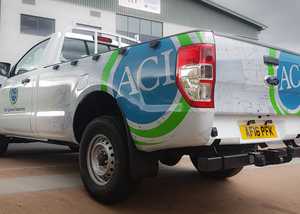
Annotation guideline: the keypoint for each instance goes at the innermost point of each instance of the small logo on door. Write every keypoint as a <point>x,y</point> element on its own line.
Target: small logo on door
<point>13,96</point>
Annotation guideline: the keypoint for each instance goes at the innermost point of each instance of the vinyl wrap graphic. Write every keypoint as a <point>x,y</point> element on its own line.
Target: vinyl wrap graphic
<point>13,95</point>
<point>285,97</point>
<point>143,81</point>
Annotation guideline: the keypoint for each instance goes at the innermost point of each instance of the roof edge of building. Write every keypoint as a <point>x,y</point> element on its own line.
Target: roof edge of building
<point>256,24</point>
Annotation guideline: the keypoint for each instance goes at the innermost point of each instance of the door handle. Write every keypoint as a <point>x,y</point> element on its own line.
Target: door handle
<point>25,81</point>
<point>272,81</point>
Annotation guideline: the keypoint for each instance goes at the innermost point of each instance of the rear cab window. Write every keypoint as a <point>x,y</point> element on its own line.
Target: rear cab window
<point>76,49</point>
<point>73,49</point>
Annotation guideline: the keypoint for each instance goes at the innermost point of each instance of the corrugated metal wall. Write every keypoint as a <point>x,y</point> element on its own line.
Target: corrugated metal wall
<point>157,17</point>
<point>99,4</point>
<point>194,14</point>
<point>112,5</point>
<point>183,12</point>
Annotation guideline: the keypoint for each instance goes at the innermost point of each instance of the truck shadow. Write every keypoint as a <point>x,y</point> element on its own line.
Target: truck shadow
<point>181,190</point>
<point>38,159</point>
<point>177,189</point>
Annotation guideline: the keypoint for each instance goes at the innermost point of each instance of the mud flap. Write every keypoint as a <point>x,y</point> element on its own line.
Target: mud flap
<point>141,164</point>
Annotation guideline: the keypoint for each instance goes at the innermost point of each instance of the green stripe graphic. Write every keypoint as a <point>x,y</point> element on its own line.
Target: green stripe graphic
<point>169,125</point>
<point>108,68</point>
<point>200,36</point>
<point>271,72</point>
<point>177,116</point>
<point>184,39</point>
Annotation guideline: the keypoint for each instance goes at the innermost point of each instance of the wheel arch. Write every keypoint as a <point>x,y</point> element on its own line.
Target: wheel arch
<point>94,103</point>
<point>102,103</point>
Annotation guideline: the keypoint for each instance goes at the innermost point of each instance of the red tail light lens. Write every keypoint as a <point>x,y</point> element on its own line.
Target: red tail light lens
<point>196,74</point>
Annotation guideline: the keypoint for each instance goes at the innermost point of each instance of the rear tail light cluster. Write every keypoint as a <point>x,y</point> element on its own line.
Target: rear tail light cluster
<point>196,74</point>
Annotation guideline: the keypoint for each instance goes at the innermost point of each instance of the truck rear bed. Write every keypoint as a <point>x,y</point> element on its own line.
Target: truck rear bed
<point>244,93</point>
<point>254,98</point>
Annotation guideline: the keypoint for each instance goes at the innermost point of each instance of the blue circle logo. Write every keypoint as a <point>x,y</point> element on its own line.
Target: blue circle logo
<point>145,82</point>
<point>288,74</point>
<point>13,95</point>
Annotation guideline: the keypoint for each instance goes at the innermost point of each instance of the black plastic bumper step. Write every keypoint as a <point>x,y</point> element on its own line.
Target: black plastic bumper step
<point>260,158</point>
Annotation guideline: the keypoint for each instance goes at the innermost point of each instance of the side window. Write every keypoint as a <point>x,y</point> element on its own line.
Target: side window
<point>101,48</point>
<point>32,59</point>
<point>73,49</point>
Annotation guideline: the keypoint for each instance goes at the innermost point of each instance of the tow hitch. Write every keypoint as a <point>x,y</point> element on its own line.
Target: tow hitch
<point>277,156</point>
<point>259,158</point>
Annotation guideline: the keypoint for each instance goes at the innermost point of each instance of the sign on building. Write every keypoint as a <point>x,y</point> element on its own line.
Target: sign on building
<point>152,6</point>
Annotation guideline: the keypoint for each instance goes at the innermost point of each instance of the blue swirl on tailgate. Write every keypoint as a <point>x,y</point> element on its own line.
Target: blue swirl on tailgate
<point>288,74</point>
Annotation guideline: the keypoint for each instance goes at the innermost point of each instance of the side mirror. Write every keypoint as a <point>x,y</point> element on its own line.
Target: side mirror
<point>4,69</point>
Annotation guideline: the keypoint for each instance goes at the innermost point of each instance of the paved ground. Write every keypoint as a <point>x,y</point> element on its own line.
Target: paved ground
<point>40,179</point>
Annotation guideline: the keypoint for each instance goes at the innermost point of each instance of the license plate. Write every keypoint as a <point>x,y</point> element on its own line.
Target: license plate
<point>258,131</point>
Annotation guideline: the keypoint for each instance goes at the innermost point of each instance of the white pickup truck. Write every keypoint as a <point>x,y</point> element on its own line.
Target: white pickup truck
<point>220,99</point>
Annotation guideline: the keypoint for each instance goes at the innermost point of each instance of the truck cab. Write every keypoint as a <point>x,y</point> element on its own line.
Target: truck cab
<point>35,98</point>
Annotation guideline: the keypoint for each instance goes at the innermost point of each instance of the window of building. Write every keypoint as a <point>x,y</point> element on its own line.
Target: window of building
<point>32,2</point>
<point>38,26</point>
<point>145,29</point>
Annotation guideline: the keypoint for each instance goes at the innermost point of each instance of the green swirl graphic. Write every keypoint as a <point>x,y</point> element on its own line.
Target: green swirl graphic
<point>271,72</point>
<point>177,116</point>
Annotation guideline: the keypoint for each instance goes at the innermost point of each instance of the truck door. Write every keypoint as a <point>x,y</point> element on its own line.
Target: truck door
<point>55,88</point>
<point>54,91</point>
<point>16,94</point>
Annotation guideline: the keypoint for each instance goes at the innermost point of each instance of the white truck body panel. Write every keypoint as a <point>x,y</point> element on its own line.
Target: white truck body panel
<point>47,103</point>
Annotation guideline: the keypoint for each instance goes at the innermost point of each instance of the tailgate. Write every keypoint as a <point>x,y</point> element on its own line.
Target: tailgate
<point>257,91</point>
<point>241,86</point>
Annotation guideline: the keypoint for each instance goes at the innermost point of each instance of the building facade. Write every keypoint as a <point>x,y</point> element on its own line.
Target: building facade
<point>26,22</point>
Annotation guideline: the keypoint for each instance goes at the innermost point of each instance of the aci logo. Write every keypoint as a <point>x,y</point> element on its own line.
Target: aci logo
<point>145,82</point>
<point>13,96</point>
<point>289,88</point>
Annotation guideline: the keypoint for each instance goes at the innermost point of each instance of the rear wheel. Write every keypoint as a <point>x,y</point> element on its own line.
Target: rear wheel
<point>170,160</point>
<point>3,145</point>
<point>220,174</point>
<point>104,160</point>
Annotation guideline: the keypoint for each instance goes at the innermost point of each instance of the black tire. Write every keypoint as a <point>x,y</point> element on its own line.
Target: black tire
<point>3,145</point>
<point>118,187</point>
<point>170,160</point>
<point>220,174</point>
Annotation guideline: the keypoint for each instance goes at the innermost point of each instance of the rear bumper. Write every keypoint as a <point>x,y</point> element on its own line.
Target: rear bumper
<point>203,127</point>
<point>288,127</point>
<point>259,158</point>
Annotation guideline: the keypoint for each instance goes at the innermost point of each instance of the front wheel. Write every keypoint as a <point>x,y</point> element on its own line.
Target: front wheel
<point>104,160</point>
<point>220,174</point>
